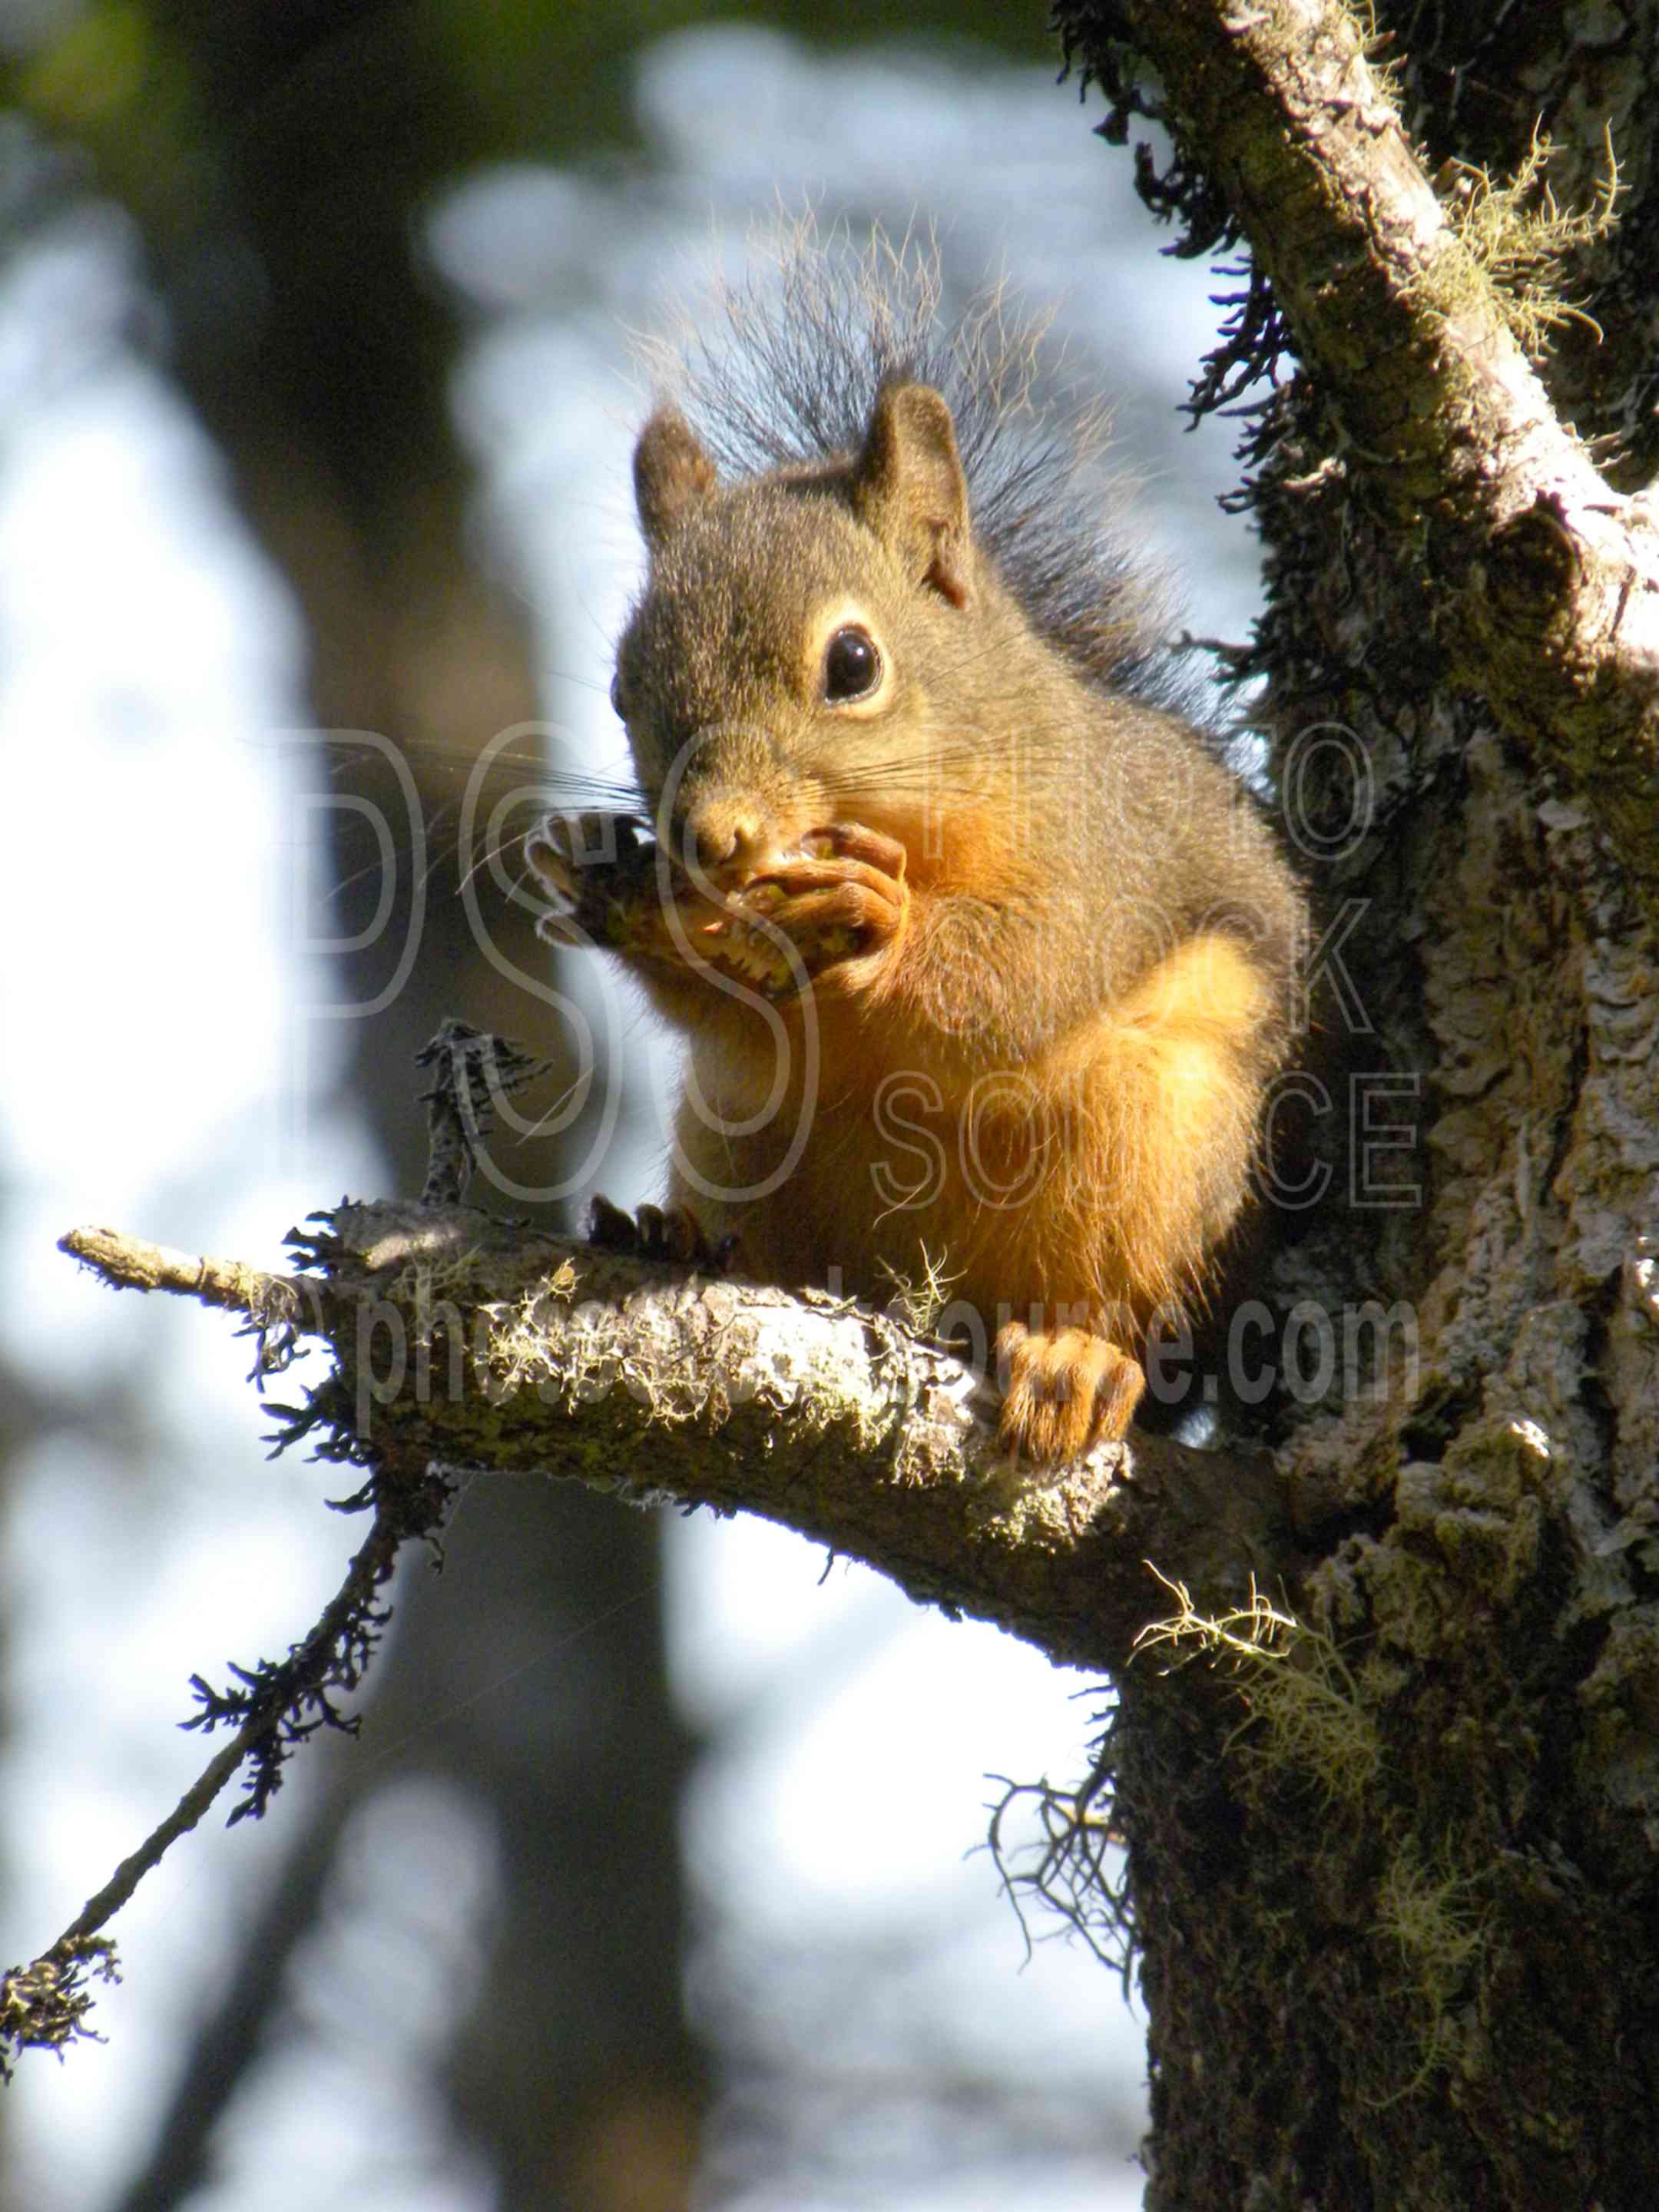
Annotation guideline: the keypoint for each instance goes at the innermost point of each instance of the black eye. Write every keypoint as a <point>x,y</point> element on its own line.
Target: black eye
<point>852,665</point>
<point>618,700</point>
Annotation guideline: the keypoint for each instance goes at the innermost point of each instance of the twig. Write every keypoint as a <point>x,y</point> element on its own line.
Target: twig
<point>280,1308</point>
<point>44,2005</point>
<point>476,1069</point>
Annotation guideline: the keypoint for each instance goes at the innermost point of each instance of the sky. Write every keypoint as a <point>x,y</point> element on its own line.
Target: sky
<point>165,1056</point>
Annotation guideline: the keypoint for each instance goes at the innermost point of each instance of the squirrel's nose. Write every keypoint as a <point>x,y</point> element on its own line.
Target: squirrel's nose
<point>720,835</point>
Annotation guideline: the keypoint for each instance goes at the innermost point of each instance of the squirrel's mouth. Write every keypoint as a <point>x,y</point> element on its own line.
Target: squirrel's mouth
<point>730,878</point>
<point>721,865</point>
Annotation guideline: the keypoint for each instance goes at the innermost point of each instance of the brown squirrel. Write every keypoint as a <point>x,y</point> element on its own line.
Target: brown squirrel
<point>984,959</point>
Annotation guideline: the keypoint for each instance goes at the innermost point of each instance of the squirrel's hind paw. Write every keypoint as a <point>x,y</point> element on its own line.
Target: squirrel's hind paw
<point>1065,1393</point>
<point>672,1234</point>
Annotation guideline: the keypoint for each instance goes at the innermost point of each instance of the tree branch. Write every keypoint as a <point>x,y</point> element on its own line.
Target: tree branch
<point>279,1308</point>
<point>1557,620</point>
<point>472,1342</point>
<point>462,1341</point>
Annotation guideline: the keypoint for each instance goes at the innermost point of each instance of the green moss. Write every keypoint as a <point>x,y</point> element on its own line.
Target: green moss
<point>1523,241</point>
<point>1306,1712</point>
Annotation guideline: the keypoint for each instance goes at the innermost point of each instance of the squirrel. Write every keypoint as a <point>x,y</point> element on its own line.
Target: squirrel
<point>984,959</point>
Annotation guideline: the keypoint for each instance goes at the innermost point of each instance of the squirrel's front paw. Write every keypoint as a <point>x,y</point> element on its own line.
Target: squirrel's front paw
<point>607,884</point>
<point>843,905</point>
<point>590,867</point>
<point>1064,1393</point>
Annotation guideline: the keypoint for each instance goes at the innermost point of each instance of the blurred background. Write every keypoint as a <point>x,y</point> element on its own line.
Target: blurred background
<point>655,1878</point>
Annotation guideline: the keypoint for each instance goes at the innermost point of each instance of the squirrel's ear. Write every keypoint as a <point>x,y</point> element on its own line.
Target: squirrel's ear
<point>909,485</point>
<point>672,474</point>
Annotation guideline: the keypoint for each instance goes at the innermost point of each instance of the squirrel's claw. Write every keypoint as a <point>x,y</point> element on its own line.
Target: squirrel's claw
<point>855,840</point>
<point>564,848</point>
<point>842,905</point>
<point>587,865</point>
<point>549,859</point>
<point>672,1234</point>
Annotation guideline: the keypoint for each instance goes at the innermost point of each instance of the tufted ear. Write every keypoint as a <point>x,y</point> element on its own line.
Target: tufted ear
<point>672,475</point>
<point>908,486</point>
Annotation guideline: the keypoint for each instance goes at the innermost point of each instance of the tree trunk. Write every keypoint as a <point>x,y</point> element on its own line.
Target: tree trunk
<point>1412,1962</point>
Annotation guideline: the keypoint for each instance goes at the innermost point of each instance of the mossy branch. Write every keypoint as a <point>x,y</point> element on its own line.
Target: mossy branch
<point>473,1343</point>
<point>459,1341</point>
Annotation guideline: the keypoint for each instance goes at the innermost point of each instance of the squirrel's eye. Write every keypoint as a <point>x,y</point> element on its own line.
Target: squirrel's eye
<point>618,702</point>
<point>852,665</point>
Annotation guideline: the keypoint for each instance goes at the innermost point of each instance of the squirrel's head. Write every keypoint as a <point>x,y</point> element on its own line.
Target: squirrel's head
<point>796,656</point>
